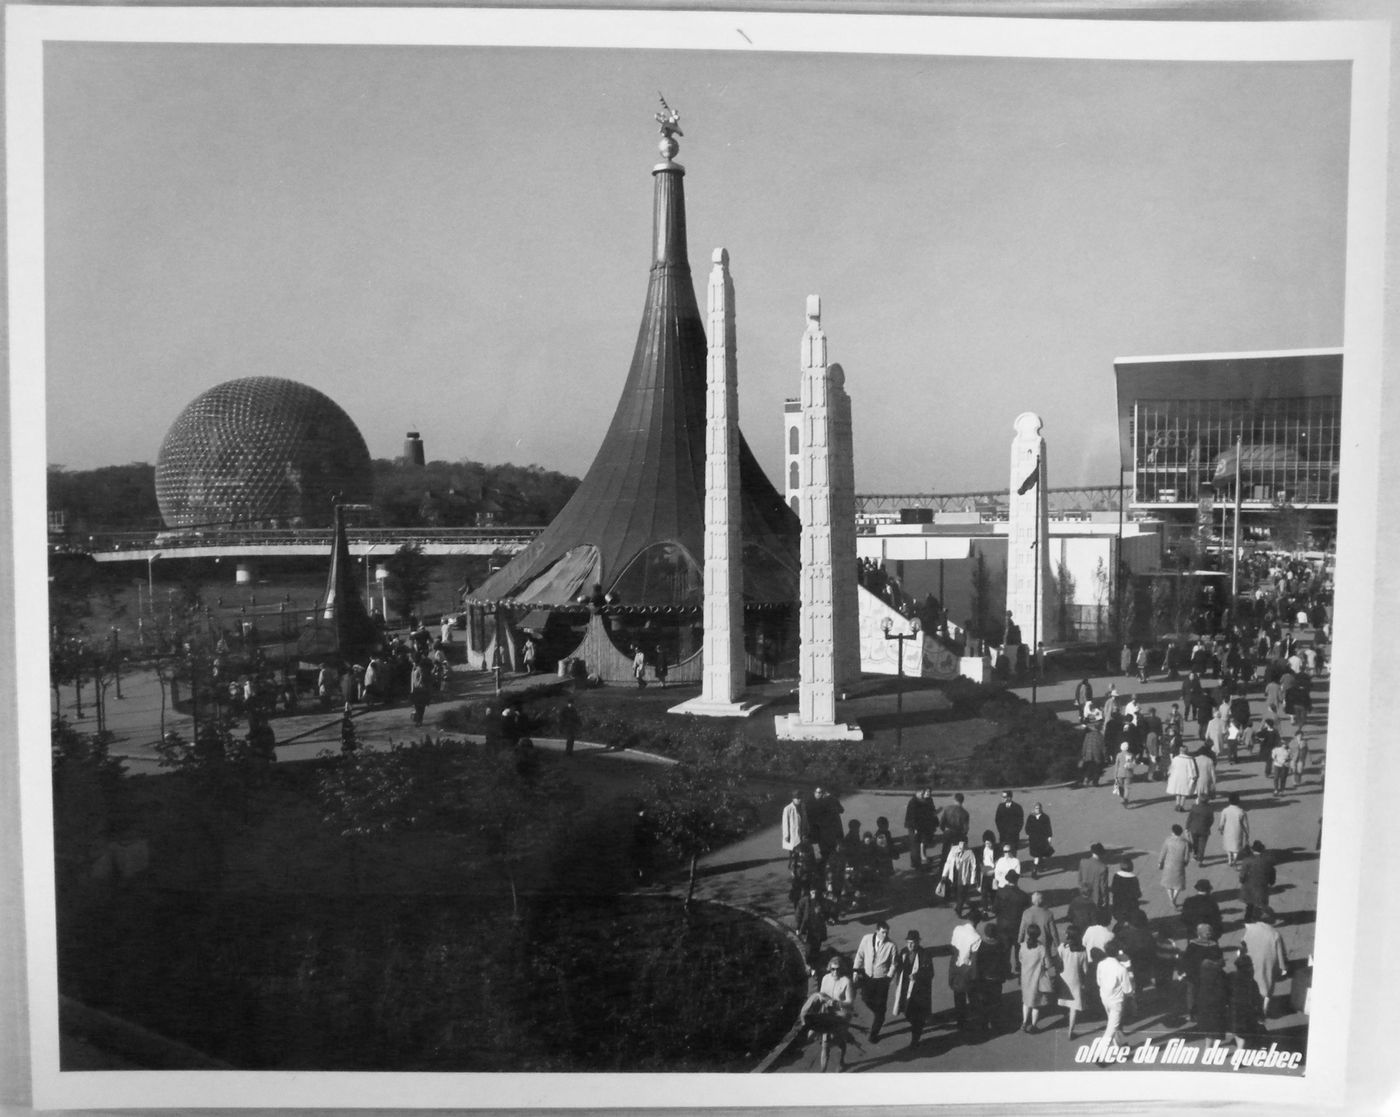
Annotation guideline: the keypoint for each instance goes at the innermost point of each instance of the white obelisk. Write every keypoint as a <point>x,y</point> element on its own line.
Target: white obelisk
<point>1028,535</point>
<point>822,478</point>
<point>722,650</point>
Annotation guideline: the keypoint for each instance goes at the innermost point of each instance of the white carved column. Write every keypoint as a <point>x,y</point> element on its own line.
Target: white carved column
<point>722,651</point>
<point>1028,534</point>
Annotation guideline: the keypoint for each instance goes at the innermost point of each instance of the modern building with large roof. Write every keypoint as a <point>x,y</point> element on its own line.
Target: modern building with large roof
<point>628,548</point>
<point>1193,428</point>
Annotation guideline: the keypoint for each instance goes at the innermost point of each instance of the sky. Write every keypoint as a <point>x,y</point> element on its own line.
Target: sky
<point>455,240</point>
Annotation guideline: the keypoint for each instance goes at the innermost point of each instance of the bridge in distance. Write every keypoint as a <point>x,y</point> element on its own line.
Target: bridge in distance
<point>145,546</point>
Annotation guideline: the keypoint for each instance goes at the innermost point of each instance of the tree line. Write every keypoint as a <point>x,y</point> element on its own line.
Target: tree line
<point>439,494</point>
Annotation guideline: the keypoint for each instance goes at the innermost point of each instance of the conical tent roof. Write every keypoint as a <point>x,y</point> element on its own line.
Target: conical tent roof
<point>635,525</point>
<point>343,628</point>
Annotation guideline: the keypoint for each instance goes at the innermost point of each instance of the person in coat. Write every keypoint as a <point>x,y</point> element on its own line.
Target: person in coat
<point>1246,1005</point>
<point>912,987</point>
<point>961,875</point>
<point>1123,772</point>
<point>795,830</point>
<point>1038,915</point>
<point>1181,777</point>
<point>1200,947</point>
<point>1094,871</point>
<point>1010,818</point>
<point>1091,753</point>
<point>1257,876</point>
<point>921,823</point>
<point>1205,774</point>
<point>1074,970</point>
<point>1201,909</point>
<point>824,821</point>
<point>1212,1000</point>
<point>1175,856</point>
<point>1039,831</point>
<point>1036,970</point>
<point>1200,820</point>
<point>1234,828</point>
<point>956,824</point>
<point>1125,891</point>
<point>1265,948</point>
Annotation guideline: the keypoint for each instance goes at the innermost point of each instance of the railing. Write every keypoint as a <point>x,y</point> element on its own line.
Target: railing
<point>310,537</point>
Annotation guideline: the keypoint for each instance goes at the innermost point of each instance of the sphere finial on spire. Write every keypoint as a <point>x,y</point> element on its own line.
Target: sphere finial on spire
<point>669,120</point>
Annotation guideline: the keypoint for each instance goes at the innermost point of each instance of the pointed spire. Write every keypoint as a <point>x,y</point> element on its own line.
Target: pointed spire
<point>647,484</point>
<point>350,630</point>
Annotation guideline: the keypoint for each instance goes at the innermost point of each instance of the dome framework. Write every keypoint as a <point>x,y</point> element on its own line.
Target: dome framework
<point>260,451</point>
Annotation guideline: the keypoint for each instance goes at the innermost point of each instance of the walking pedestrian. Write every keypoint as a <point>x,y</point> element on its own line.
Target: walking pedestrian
<point>1037,978</point>
<point>794,830</point>
<point>1074,968</point>
<point>811,926</point>
<point>961,874</point>
<point>1176,854</point>
<point>1094,871</point>
<point>1200,820</point>
<point>1280,767</point>
<point>1009,819</point>
<point>913,985</point>
<point>963,968</point>
<point>921,824</point>
<point>1234,828</point>
<point>1115,982</point>
<point>1181,777</point>
<point>874,969</point>
<point>1123,773</point>
<point>1038,834</point>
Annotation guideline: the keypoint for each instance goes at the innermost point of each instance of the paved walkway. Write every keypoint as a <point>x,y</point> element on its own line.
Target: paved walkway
<point>753,873</point>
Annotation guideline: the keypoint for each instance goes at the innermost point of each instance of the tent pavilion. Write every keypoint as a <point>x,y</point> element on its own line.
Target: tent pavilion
<point>621,567</point>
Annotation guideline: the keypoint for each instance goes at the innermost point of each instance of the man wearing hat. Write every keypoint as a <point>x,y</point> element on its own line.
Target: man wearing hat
<point>1201,908</point>
<point>913,985</point>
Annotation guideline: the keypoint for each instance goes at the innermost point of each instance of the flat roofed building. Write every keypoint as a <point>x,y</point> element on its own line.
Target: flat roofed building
<point>1190,425</point>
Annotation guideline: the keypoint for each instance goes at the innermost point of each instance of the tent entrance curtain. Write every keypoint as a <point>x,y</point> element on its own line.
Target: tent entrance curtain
<point>534,621</point>
<point>574,573</point>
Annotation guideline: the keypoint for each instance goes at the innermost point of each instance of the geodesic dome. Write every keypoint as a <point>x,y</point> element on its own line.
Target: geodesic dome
<point>260,452</point>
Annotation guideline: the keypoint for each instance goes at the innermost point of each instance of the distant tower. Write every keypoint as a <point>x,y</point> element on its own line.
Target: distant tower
<point>413,449</point>
<point>1028,533</point>
<point>792,458</point>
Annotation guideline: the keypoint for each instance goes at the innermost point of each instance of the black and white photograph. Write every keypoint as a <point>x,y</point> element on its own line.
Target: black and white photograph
<point>596,558</point>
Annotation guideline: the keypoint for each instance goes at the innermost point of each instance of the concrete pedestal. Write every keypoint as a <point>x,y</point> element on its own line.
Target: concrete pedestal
<point>791,727</point>
<point>707,708</point>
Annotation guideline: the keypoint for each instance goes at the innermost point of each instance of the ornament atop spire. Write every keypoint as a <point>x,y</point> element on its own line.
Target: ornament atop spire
<point>670,122</point>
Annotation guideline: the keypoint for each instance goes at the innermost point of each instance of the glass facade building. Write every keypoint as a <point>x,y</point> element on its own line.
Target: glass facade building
<point>1191,427</point>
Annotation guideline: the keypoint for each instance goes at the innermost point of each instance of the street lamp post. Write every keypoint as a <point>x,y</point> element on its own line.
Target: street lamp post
<point>899,638</point>
<point>151,581</point>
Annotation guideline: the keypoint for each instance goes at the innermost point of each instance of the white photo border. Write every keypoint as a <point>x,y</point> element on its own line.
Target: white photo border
<point>1361,519</point>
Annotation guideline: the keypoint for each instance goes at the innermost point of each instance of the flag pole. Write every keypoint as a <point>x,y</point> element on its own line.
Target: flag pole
<point>1035,604</point>
<point>1235,551</point>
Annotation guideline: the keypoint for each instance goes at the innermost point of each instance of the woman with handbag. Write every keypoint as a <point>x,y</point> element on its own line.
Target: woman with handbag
<point>1037,978</point>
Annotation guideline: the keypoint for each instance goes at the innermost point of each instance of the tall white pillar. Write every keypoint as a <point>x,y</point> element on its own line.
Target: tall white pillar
<point>845,586</point>
<point>722,651</point>
<point>822,481</point>
<point>1028,533</point>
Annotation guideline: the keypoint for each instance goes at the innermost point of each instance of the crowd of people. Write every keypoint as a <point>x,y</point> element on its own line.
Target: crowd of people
<point>1102,958</point>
